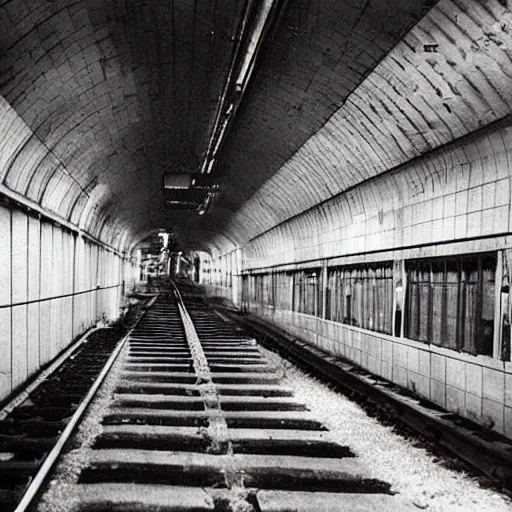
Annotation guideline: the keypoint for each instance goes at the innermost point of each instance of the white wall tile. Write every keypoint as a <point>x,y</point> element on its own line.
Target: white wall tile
<point>493,412</point>
<point>419,384</point>
<point>455,399</point>
<point>438,392</point>
<point>474,226</point>
<point>33,362</point>
<point>488,224</point>
<point>493,385</point>
<point>508,422</point>
<point>19,345</point>
<point>508,390</point>
<point>5,256</point>
<point>19,256</point>
<point>502,193</point>
<point>438,367</point>
<point>473,405</point>
<point>488,195</point>
<point>461,226</point>
<point>474,199</point>
<point>474,377</point>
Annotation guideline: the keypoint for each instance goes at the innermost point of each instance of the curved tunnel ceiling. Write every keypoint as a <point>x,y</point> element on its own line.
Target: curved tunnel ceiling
<point>446,78</point>
<point>100,97</point>
<point>106,96</point>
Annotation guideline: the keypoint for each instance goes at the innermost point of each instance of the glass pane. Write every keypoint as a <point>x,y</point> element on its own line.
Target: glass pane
<point>412,303</point>
<point>388,300</point>
<point>423,301</point>
<point>438,311</point>
<point>378,301</point>
<point>350,301</point>
<point>319,293</point>
<point>357,301</point>
<point>449,338</point>
<point>382,300</point>
<point>470,301</point>
<point>339,288</point>
<point>296,292</point>
<point>423,313</point>
<point>311,296</point>
<point>341,298</point>
<point>368,307</point>
<point>488,290</point>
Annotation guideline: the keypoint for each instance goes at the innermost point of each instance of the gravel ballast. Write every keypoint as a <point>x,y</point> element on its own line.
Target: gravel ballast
<point>411,470</point>
<point>62,493</point>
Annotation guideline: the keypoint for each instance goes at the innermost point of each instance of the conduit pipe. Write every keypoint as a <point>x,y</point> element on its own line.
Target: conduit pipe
<point>238,86</point>
<point>206,167</point>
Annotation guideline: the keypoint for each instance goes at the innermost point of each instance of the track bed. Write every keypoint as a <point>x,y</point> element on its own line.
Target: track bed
<point>198,421</point>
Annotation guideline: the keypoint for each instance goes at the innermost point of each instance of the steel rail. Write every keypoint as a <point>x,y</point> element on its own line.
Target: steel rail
<point>54,366</point>
<point>469,443</point>
<point>50,460</point>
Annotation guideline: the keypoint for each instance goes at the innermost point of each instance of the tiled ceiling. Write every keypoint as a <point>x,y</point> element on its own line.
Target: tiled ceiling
<point>104,96</point>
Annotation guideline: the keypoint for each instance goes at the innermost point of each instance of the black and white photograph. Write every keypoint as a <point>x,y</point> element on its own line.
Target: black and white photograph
<point>255,255</point>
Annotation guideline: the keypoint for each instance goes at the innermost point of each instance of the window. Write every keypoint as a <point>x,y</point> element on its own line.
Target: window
<point>251,289</point>
<point>450,302</point>
<point>268,289</point>
<point>307,292</point>
<point>361,296</point>
<point>282,293</point>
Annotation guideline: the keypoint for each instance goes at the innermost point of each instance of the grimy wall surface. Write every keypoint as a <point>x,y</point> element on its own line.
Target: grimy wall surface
<point>402,200</point>
<point>54,284</point>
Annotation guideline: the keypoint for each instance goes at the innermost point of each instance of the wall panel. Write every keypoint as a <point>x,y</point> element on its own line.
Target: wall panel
<point>33,339</point>
<point>34,258</point>
<point>19,256</point>
<point>45,338</point>
<point>452,201</point>
<point>5,351</point>
<point>54,291</point>
<point>5,256</point>
<point>19,345</point>
<point>46,261</point>
<point>54,284</point>
<point>5,300</point>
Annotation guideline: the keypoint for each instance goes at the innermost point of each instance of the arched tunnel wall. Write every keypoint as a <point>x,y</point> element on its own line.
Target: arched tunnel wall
<point>385,238</point>
<point>60,265</point>
<point>54,284</point>
<point>459,192</point>
<point>453,203</point>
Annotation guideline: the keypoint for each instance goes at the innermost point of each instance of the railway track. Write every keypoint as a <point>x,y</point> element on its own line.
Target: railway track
<point>199,421</point>
<point>473,447</point>
<point>33,422</point>
<point>30,431</point>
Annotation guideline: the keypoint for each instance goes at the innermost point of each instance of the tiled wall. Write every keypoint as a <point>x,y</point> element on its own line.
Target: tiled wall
<point>411,103</point>
<point>53,285</point>
<point>462,191</point>
<point>476,387</point>
<point>453,201</point>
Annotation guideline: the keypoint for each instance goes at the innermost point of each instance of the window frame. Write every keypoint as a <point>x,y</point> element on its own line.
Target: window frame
<point>474,343</point>
<point>354,291</point>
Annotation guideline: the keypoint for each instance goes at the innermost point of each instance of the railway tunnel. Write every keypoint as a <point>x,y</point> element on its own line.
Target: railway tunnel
<point>340,171</point>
